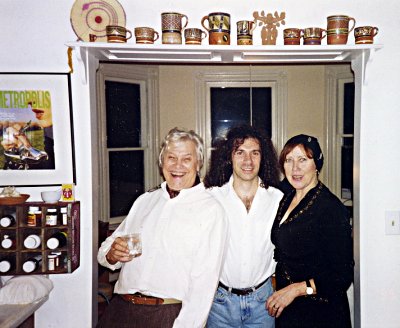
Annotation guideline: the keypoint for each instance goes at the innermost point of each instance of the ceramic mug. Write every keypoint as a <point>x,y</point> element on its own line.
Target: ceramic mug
<point>118,34</point>
<point>146,35</point>
<point>292,36</point>
<point>244,40</point>
<point>219,38</point>
<point>194,35</point>
<point>219,28</point>
<point>338,28</point>
<point>172,22</point>
<point>171,38</point>
<point>365,34</point>
<point>245,30</point>
<point>313,35</point>
<point>245,27</point>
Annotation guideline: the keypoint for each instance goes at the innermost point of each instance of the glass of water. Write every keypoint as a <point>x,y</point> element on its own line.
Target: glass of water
<point>134,242</point>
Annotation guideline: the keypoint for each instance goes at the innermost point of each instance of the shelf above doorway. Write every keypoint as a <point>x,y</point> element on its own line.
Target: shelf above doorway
<point>141,53</point>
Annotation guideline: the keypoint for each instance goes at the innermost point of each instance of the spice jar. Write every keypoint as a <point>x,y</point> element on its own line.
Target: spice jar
<point>34,216</point>
<point>51,217</point>
<point>51,262</point>
<point>57,259</point>
<point>64,216</point>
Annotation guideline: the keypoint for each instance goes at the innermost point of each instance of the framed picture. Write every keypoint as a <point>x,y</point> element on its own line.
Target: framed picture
<point>36,131</point>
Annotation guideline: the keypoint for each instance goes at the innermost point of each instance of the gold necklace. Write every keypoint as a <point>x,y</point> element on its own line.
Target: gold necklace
<point>279,216</point>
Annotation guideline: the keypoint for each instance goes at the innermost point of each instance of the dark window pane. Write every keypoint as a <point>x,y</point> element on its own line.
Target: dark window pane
<point>123,114</point>
<point>262,110</point>
<point>231,107</point>
<point>347,168</point>
<point>348,115</point>
<point>126,171</point>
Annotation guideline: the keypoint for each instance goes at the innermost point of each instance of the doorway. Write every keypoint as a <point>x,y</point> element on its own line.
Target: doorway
<point>181,96</point>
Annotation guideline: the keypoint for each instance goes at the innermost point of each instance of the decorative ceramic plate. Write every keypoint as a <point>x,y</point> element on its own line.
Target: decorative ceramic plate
<point>92,17</point>
<point>14,200</point>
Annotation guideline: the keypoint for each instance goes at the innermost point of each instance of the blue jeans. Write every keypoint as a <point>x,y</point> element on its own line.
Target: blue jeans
<point>233,311</point>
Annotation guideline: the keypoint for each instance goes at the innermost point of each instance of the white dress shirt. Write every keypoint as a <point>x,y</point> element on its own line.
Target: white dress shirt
<point>249,257</point>
<point>183,241</point>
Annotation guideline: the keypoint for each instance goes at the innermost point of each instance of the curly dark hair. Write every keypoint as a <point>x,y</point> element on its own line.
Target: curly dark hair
<point>220,166</point>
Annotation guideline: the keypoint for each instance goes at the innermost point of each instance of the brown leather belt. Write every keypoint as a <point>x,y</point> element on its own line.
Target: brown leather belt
<point>244,291</point>
<point>139,298</point>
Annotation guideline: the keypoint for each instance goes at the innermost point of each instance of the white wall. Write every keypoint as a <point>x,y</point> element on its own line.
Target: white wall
<point>32,38</point>
<point>306,98</point>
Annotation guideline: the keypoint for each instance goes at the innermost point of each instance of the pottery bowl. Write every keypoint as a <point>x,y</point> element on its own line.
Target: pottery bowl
<point>51,196</point>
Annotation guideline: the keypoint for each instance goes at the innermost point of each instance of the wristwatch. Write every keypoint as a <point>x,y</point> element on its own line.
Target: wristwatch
<point>309,289</point>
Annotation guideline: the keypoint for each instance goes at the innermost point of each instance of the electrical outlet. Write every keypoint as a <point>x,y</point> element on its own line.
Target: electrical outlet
<point>392,222</point>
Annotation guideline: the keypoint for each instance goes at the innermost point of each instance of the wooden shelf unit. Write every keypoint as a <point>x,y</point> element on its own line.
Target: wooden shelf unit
<point>18,253</point>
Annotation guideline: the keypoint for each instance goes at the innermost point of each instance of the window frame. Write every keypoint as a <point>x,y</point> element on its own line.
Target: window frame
<point>335,79</point>
<point>254,76</point>
<point>147,78</point>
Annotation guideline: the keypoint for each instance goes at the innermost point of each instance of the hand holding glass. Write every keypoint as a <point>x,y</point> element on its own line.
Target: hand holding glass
<point>134,242</point>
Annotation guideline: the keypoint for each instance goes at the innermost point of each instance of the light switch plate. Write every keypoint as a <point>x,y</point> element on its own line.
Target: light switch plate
<point>392,222</point>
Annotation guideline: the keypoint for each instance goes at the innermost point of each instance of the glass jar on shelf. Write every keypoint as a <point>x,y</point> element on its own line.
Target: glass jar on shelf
<point>34,216</point>
<point>64,215</point>
<point>51,217</point>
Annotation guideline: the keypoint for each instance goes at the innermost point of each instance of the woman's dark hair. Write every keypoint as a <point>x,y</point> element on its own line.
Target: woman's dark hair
<point>220,167</point>
<point>311,148</point>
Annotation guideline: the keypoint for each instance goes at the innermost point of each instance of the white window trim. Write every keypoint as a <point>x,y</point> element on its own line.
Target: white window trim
<point>335,78</point>
<point>147,77</point>
<point>276,79</point>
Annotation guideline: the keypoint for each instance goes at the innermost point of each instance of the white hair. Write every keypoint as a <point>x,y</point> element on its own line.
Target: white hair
<point>176,135</point>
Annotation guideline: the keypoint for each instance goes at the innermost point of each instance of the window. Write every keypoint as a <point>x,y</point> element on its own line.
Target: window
<point>232,106</point>
<point>340,131</point>
<point>346,138</point>
<point>124,145</point>
<point>127,121</point>
<point>229,97</point>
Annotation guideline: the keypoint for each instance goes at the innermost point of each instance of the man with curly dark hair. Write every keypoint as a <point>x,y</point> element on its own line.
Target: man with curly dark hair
<point>243,176</point>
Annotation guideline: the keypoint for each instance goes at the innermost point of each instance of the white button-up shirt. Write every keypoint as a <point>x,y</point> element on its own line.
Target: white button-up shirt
<point>183,241</point>
<point>249,257</point>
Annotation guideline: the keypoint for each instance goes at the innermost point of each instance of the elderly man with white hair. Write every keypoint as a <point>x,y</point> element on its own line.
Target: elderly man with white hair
<point>183,230</point>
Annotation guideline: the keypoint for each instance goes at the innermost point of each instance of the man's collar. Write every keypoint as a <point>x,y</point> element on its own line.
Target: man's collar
<point>173,193</point>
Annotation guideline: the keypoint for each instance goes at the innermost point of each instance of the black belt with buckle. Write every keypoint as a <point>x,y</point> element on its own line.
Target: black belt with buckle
<point>242,291</point>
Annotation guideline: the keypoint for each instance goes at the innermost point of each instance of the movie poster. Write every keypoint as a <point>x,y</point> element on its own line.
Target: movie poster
<point>26,130</point>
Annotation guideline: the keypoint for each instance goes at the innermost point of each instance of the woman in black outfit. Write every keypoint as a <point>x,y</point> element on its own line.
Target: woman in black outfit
<point>312,236</point>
